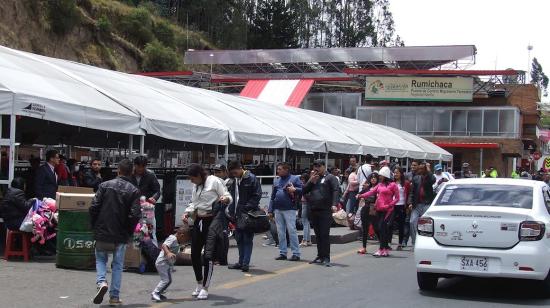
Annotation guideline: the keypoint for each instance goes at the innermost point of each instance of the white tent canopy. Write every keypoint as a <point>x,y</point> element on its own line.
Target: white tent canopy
<point>87,96</point>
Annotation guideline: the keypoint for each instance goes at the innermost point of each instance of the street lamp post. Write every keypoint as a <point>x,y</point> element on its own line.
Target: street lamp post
<point>529,65</point>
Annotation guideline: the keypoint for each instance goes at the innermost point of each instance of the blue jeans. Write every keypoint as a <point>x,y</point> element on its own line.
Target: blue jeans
<point>101,259</point>
<point>286,221</point>
<point>245,242</point>
<point>416,213</point>
<point>352,203</point>
<point>305,222</point>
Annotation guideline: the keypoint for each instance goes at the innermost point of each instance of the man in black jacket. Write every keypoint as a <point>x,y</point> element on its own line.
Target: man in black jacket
<point>114,213</point>
<point>421,196</point>
<point>145,180</point>
<point>246,192</point>
<point>322,193</point>
<point>92,178</point>
<point>45,183</point>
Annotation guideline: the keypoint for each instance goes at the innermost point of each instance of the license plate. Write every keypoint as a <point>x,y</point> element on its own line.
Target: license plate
<point>474,264</point>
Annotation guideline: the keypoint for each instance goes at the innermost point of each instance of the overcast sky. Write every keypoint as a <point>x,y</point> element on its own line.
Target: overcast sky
<point>501,30</point>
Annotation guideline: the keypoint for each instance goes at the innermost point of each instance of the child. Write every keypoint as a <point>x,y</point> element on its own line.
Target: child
<point>166,260</point>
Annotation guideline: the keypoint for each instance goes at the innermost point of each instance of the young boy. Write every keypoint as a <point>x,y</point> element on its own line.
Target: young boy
<point>166,260</point>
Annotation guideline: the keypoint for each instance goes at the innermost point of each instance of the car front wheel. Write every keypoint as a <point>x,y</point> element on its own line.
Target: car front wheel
<point>427,281</point>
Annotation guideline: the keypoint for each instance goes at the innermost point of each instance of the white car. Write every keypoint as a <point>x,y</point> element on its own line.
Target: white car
<point>485,228</point>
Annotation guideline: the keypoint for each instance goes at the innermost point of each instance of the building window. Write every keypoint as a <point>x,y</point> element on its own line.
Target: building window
<point>490,123</point>
<point>332,105</point>
<point>379,117</point>
<point>475,122</point>
<point>424,122</point>
<point>394,118</point>
<point>459,123</point>
<point>506,122</point>
<point>442,122</point>
<point>408,121</point>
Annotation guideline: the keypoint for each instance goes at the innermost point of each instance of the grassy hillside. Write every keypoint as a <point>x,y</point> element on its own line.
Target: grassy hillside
<point>103,33</point>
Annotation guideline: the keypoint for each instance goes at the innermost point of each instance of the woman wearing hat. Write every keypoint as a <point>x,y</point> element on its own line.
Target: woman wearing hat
<point>387,196</point>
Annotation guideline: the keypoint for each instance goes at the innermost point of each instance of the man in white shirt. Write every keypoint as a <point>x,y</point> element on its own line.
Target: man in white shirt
<point>440,178</point>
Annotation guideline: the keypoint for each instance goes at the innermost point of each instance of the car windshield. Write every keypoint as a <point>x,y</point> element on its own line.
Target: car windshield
<point>487,195</point>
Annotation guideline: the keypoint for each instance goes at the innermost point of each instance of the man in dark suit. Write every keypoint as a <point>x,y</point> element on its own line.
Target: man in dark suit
<point>45,183</point>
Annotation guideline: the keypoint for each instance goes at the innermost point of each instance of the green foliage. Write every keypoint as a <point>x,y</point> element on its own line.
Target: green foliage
<point>104,25</point>
<point>137,26</point>
<point>159,58</point>
<point>63,15</point>
<point>538,76</point>
<point>164,33</point>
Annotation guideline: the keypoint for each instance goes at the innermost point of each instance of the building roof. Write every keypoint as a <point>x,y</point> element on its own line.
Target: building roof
<point>331,60</point>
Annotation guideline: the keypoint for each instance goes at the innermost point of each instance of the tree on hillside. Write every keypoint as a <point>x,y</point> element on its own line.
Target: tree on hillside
<point>538,76</point>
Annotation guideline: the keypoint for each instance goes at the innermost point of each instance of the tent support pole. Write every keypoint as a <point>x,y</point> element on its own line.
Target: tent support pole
<point>326,159</point>
<point>284,155</point>
<point>226,154</point>
<point>11,169</point>
<point>275,162</point>
<point>130,145</point>
<point>217,155</point>
<point>407,165</point>
<point>142,145</point>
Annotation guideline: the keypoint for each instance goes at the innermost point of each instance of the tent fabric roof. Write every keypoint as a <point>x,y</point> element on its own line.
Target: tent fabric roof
<point>81,95</point>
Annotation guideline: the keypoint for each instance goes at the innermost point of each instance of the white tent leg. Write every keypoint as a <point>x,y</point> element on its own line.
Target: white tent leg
<point>130,145</point>
<point>11,166</point>
<point>275,162</point>
<point>217,155</point>
<point>326,160</point>
<point>284,155</point>
<point>142,145</point>
<point>226,154</point>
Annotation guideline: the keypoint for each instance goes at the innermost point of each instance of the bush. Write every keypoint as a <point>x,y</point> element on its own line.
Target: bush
<point>158,58</point>
<point>137,25</point>
<point>104,25</point>
<point>164,33</point>
<point>63,15</point>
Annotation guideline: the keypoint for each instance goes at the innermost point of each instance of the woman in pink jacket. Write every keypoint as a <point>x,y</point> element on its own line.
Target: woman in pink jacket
<point>387,196</point>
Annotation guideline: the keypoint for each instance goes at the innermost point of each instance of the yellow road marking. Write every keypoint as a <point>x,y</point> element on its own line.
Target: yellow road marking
<point>254,279</point>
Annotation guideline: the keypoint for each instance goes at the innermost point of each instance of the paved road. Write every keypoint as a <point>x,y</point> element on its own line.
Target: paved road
<point>354,281</point>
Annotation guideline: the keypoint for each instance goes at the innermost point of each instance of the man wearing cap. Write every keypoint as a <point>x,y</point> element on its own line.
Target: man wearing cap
<point>440,178</point>
<point>466,173</point>
<point>322,194</point>
<point>220,171</point>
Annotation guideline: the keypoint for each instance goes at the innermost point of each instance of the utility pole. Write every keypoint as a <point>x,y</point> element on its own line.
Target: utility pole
<point>529,65</point>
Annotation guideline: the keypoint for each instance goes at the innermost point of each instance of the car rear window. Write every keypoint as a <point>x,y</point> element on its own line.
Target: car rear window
<point>487,195</point>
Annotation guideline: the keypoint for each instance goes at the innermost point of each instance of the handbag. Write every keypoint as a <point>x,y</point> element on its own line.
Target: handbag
<point>357,219</point>
<point>254,221</point>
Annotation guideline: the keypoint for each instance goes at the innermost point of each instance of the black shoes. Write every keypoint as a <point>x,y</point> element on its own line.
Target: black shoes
<point>326,262</point>
<point>294,258</point>
<point>235,266</point>
<point>316,261</point>
<point>245,268</point>
<point>281,258</point>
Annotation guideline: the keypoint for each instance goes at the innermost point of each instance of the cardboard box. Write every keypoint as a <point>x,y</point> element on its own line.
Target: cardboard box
<point>75,190</point>
<point>132,258</point>
<point>74,202</point>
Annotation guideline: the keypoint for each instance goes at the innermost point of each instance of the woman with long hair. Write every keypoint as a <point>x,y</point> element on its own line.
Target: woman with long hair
<point>208,191</point>
<point>404,187</point>
<point>387,196</point>
<point>367,212</point>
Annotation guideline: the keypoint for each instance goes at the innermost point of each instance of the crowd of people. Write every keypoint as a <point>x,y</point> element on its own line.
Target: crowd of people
<point>381,198</point>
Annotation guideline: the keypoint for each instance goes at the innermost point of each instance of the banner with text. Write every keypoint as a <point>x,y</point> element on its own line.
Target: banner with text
<point>452,89</point>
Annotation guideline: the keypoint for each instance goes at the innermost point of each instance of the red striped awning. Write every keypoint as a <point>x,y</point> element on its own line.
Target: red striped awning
<point>468,145</point>
<point>282,92</point>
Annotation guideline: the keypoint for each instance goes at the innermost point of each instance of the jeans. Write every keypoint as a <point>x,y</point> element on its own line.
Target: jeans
<point>385,223</point>
<point>367,221</point>
<point>400,219</point>
<point>245,242</point>
<point>416,213</point>
<point>321,225</point>
<point>101,259</point>
<point>286,221</point>
<point>352,203</point>
<point>305,222</point>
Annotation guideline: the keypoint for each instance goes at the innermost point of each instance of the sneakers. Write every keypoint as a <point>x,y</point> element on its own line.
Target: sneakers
<point>197,291</point>
<point>316,261</point>
<point>203,295</point>
<point>156,297</point>
<point>303,244</point>
<point>114,301</point>
<point>269,243</point>
<point>102,288</point>
<point>327,263</point>
<point>362,251</point>
<point>385,253</point>
<point>294,258</point>
<point>281,258</point>
<point>378,253</point>
<point>245,268</point>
